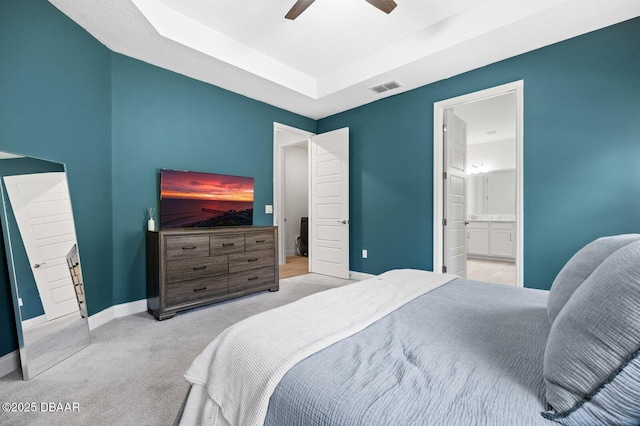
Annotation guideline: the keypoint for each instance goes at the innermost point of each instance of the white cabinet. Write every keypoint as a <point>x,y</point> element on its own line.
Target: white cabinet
<point>491,240</point>
<point>501,239</point>
<point>478,238</point>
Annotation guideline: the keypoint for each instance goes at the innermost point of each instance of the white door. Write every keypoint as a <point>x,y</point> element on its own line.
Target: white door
<point>455,163</point>
<point>329,218</point>
<point>42,208</point>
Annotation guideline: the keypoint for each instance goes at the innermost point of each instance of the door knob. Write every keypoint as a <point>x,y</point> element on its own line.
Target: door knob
<point>344,222</point>
<point>37,265</point>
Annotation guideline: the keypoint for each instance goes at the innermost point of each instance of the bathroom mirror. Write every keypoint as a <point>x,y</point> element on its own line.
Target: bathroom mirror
<point>492,193</point>
<point>43,262</point>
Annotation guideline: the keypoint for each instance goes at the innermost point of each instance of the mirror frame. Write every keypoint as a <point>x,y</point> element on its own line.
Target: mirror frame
<point>9,241</point>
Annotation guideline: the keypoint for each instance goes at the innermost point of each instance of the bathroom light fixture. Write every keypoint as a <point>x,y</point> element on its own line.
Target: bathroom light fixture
<point>478,169</point>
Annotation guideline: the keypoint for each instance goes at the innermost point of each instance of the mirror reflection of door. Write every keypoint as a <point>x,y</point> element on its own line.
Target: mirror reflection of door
<point>43,341</point>
<point>42,209</point>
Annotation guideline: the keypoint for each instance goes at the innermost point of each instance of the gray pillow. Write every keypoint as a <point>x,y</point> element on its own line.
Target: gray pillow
<point>580,267</point>
<point>594,340</point>
<point>614,403</point>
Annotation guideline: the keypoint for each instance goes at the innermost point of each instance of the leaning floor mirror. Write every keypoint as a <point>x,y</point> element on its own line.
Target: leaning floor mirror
<point>43,262</point>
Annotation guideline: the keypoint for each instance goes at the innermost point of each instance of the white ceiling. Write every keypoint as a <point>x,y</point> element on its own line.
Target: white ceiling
<point>489,120</point>
<point>325,61</point>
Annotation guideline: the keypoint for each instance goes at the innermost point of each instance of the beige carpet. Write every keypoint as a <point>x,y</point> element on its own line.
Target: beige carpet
<point>131,374</point>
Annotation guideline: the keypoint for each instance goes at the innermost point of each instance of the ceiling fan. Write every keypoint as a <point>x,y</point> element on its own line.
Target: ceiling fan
<point>301,5</point>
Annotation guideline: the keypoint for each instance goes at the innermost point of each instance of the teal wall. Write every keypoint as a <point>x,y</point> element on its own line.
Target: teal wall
<point>115,121</point>
<point>165,120</point>
<point>55,104</point>
<point>581,155</point>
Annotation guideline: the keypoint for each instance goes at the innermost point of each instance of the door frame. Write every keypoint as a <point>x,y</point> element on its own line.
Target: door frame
<point>439,107</point>
<point>284,137</point>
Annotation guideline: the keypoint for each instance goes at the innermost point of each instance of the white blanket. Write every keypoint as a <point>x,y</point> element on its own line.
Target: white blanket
<point>235,376</point>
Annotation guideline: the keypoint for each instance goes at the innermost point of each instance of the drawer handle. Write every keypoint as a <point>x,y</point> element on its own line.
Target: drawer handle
<point>199,289</point>
<point>227,244</point>
<point>199,268</point>
<point>189,248</point>
<point>252,279</point>
<point>255,259</point>
<point>261,241</point>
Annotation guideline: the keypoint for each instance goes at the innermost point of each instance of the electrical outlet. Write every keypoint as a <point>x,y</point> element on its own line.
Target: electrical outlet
<point>268,209</point>
<point>364,254</point>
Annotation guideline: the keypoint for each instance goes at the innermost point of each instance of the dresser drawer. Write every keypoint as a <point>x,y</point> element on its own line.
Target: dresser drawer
<point>196,290</point>
<point>226,244</point>
<point>247,280</point>
<point>251,260</point>
<point>188,269</point>
<point>259,241</point>
<point>187,247</point>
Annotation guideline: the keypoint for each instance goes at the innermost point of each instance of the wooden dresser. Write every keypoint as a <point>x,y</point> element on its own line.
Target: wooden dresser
<point>187,268</point>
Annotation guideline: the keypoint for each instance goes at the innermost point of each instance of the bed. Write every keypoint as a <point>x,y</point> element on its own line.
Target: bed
<point>413,347</point>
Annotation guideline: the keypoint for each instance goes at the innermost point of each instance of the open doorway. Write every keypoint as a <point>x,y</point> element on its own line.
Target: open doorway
<point>291,198</point>
<point>488,244</point>
<point>491,188</point>
<point>296,210</point>
<point>328,198</point>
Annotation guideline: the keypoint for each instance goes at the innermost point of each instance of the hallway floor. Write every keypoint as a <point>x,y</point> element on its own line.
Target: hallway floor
<point>296,265</point>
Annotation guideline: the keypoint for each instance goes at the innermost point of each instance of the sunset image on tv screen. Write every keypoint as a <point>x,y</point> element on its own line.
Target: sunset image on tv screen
<point>194,199</point>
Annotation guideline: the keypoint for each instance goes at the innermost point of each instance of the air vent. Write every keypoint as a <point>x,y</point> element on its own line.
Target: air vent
<point>386,86</point>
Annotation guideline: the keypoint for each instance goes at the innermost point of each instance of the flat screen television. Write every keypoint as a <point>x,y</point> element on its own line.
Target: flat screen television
<point>204,200</point>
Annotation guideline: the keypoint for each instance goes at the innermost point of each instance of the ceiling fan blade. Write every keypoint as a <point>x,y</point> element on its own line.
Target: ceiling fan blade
<point>384,5</point>
<point>298,8</point>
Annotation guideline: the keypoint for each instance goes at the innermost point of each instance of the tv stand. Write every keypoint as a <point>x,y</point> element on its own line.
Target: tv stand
<point>188,268</point>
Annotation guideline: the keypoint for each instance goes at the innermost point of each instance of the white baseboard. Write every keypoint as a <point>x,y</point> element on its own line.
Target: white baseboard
<point>360,276</point>
<point>117,311</point>
<point>9,363</point>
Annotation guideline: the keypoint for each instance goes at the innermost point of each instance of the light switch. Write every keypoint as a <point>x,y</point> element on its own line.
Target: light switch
<point>268,209</point>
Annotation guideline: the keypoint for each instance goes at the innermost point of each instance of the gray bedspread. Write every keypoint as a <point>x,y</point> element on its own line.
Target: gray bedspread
<point>467,353</point>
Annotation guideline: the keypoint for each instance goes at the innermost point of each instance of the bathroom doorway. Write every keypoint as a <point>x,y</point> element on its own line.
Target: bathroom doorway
<point>479,235</point>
